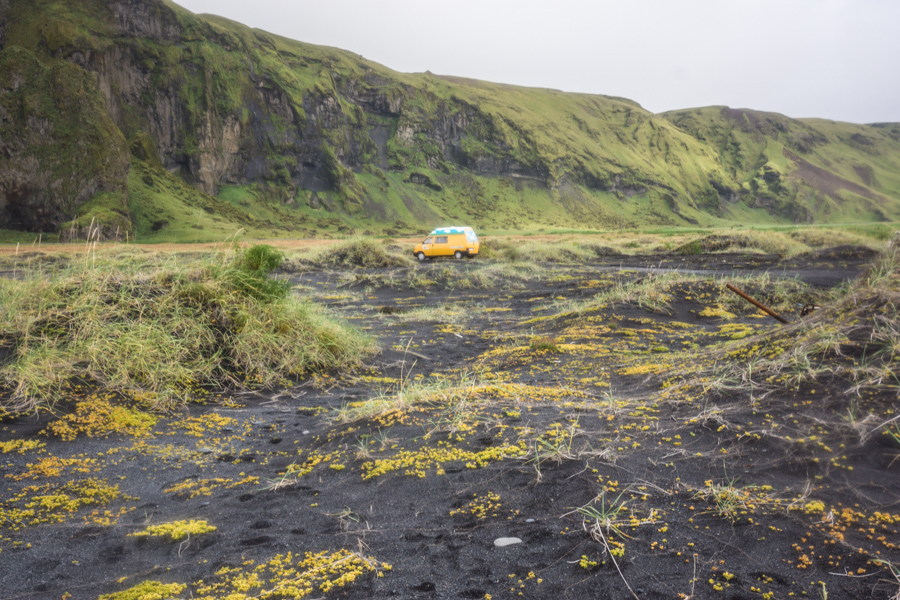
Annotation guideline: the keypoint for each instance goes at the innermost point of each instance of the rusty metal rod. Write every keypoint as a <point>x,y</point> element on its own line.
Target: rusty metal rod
<point>761,307</point>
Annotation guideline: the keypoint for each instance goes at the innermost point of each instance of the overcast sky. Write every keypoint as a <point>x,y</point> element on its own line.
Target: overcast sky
<point>834,59</point>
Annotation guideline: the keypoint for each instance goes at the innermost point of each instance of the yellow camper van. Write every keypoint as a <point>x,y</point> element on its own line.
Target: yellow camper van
<point>448,241</point>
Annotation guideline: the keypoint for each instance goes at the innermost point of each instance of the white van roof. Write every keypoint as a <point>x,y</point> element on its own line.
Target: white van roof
<point>449,230</point>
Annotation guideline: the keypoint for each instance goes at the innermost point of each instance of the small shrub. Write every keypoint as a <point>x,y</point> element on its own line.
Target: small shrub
<point>542,343</point>
<point>689,249</point>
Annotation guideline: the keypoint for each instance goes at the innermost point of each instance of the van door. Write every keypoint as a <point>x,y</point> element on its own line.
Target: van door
<point>441,247</point>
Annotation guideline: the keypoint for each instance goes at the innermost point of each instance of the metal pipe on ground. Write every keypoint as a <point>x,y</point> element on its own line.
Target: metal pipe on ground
<point>758,305</point>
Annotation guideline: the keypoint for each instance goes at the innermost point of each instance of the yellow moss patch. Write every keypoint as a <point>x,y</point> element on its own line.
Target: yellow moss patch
<point>95,416</point>
<point>49,466</point>
<point>203,425</point>
<point>736,331</point>
<point>176,530</point>
<point>37,505</point>
<point>644,369</point>
<point>204,487</point>
<point>282,578</point>
<point>481,507</point>
<point>418,462</point>
<point>20,446</point>
<point>147,590</point>
<point>717,312</point>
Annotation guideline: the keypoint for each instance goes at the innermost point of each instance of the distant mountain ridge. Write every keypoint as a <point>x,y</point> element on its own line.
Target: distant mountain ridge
<point>127,118</point>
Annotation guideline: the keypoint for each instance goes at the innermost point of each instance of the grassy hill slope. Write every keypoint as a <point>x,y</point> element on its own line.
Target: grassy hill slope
<point>228,128</point>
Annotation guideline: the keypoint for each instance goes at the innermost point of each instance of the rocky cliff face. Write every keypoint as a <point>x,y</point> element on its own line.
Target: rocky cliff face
<point>218,104</point>
<point>59,147</point>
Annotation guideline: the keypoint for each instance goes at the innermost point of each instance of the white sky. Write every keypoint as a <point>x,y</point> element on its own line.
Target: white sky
<point>834,59</point>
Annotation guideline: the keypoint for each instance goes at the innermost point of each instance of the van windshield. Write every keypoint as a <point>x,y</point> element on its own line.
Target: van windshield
<point>428,240</point>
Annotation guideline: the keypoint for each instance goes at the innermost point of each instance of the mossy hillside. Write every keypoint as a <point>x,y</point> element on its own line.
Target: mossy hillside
<point>56,27</point>
<point>104,212</point>
<point>284,133</point>
<point>599,141</point>
<point>500,203</point>
<point>11,236</point>
<point>167,209</point>
<point>832,170</point>
<point>606,144</point>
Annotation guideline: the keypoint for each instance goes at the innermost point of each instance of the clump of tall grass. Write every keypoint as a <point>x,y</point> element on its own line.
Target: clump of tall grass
<point>481,275</point>
<point>164,332</point>
<point>360,253</point>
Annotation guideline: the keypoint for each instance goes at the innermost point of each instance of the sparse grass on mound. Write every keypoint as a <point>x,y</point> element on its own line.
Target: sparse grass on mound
<point>162,333</point>
<point>360,253</point>
<point>651,292</point>
<point>454,313</point>
<point>781,295</point>
<point>750,242</point>
<point>854,339</point>
<point>782,243</point>
<point>655,292</point>
<point>565,251</point>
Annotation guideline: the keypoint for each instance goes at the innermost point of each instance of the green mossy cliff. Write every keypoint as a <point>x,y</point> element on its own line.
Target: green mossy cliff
<point>108,107</point>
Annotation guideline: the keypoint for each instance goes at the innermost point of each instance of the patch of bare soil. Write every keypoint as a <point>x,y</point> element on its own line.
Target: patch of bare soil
<point>825,181</point>
<point>487,415</point>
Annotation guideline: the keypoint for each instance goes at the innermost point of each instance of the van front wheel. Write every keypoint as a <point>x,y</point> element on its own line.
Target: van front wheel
<point>458,255</point>
<point>421,256</point>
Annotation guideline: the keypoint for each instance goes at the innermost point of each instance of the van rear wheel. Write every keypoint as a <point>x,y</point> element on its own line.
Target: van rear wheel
<point>458,254</point>
<point>421,256</point>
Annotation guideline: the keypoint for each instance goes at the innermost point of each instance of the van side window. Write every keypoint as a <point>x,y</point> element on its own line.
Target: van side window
<point>441,239</point>
<point>428,240</point>
<point>470,235</point>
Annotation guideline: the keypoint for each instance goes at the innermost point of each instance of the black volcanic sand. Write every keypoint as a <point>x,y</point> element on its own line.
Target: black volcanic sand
<point>710,494</point>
